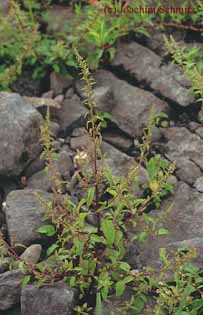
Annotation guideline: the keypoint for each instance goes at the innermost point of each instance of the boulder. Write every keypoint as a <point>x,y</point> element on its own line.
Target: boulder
<point>10,289</point>
<point>184,222</point>
<point>20,134</point>
<point>146,67</point>
<point>71,110</point>
<point>130,106</point>
<point>48,300</point>
<point>181,143</point>
<point>24,215</point>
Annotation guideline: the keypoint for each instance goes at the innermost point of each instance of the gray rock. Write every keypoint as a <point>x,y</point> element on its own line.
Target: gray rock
<point>77,132</point>
<point>32,254</point>
<point>114,305</point>
<point>34,167</point>
<point>10,289</point>
<point>39,180</point>
<point>71,110</point>
<point>187,171</point>
<point>156,40</point>
<point>48,300</point>
<point>199,131</point>
<point>184,222</point>
<point>54,127</point>
<point>4,264</point>
<point>4,6</point>
<point>200,115</point>
<point>65,165</point>
<point>24,215</point>
<point>48,94</point>
<point>83,143</point>
<point>199,184</point>
<point>59,83</point>
<point>193,125</point>
<point>119,162</point>
<point>59,98</point>
<point>103,96</point>
<point>145,66</point>
<point>20,133</point>
<point>120,141</point>
<point>181,143</point>
<point>156,134</point>
<point>131,105</point>
<point>58,19</point>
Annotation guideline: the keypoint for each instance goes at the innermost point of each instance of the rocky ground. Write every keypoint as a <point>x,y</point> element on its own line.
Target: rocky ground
<point>138,78</point>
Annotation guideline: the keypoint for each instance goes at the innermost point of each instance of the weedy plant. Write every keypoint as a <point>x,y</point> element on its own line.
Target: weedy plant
<point>91,257</point>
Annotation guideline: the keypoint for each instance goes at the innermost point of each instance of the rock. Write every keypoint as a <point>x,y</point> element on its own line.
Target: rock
<point>83,143</point>
<point>118,162</point>
<point>146,66</point>
<point>32,254</point>
<point>181,143</point>
<point>200,116</point>
<point>20,132</point>
<point>120,141</point>
<point>24,215</point>
<point>26,85</point>
<point>48,300</point>
<point>54,128</point>
<point>193,125</point>
<point>34,167</point>
<point>156,40</point>
<point>103,96</point>
<point>114,305</point>
<point>59,83</point>
<point>173,181</point>
<point>48,94</point>
<point>199,184</point>
<point>156,134</point>
<point>199,131</point>
<point>4,6</point>
<point>59,98</point>
<point>71,110</point>
<point>58,19</point>
<point>132,105</point>
<point>65,165</point>
<point>77,132</point>
<point>10,289</point>
<point>39,180</point>
<point>184,222</point>
<point>4,264</point>
<point>42,105</point>
<point>187,171</point>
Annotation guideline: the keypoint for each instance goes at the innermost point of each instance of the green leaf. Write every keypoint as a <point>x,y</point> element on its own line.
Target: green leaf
<point>26,280</point>
<point>48,230</point>
<point>21,266</point>
<point>97,239</point>
<point>124,266</point>
<point>51,249</point>
<point>98,304</point>
<point>90,196</point>
<point>163,231</point>
<point>143,236</point>
<point>108,230</point>
<point>120,288</point>
<point>163,255</point>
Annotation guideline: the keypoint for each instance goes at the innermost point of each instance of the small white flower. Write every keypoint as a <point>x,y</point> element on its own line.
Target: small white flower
<point>4,204</point>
